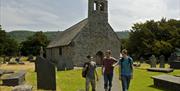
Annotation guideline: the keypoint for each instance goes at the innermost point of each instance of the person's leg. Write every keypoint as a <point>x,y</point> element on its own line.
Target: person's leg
<point>87,84</point>
<point>93,84</point>
<point>105,81</point>
<point>110,81</point>
<point>128,81</point>
<point>124,83</point>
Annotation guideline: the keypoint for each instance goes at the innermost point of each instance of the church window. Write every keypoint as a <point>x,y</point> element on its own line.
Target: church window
<point>95,6</point>
<point>102,6</point>
<point>60,51</point>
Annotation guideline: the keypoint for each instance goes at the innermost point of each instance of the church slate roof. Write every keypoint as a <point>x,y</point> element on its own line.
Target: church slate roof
<point>64,38</point>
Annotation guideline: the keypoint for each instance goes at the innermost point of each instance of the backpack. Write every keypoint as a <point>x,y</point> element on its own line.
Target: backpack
<point>85,70</point>
<point>129,60</point>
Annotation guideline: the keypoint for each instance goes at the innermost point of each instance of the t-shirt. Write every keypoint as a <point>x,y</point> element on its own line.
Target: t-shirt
<point>91,70</point>
<point>126,66</point>
<point>107,63</point>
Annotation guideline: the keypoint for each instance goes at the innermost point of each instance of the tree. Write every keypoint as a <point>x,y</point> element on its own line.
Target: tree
<point>151,37</point>
<point>33,44</point>
<point>8,46</point>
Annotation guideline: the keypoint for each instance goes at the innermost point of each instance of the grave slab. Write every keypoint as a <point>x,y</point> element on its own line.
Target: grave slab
<point>165,70</point>
<point>14,79</point>
<point>167,81</point>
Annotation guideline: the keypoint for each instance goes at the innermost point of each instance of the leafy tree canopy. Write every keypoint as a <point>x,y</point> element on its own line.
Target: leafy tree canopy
<point>154,37</point>
<point>8,46</point>
<point>33,44</point>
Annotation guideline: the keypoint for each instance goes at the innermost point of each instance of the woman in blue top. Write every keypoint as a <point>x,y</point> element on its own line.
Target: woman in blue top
<point>126,69</point>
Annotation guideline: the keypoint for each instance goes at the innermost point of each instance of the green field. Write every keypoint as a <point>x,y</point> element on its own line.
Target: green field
<point>72,80</point>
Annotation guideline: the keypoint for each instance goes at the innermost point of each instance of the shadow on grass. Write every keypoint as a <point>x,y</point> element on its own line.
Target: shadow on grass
<point>160,88</point>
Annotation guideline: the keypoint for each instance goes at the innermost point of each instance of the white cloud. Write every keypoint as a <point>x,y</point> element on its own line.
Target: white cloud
<point>123,13</point>
<point>61,14</point>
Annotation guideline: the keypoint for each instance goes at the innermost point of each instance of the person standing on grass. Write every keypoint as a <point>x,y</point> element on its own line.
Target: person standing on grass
<point>90,69</point>
<point>126,69</point>
<point>108,70</point>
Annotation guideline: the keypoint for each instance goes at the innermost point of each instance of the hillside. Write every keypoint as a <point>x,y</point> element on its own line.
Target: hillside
<point>21,35</point>
<point>123,34</point>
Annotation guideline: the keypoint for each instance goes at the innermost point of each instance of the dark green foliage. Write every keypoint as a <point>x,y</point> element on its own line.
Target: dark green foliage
<point>8,46</point>
<point>151,37</point>
<point>22,35</point>
<point>123,34</point>
<point>33,44</point>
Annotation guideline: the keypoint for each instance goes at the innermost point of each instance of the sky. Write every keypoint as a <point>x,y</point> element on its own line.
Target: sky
<point>58,15</point>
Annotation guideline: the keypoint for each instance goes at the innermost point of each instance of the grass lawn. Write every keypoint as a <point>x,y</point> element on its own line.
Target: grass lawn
<point>72,80</point>
<point>142,79</point>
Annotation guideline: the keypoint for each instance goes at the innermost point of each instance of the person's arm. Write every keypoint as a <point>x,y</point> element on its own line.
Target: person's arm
<point>115,64</point>
<point>85,67</point>
<point>102,68</point>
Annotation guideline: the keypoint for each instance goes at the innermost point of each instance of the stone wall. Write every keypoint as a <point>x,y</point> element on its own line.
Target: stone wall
<point>63,61</point>
<point>91,40</point>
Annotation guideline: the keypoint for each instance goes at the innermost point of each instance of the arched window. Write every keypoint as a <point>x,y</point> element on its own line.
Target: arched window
<point>95,6</point>
<point>60,51</point>
<point>101,6</point>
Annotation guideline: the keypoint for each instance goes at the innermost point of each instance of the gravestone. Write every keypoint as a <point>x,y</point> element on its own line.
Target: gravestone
<point>153,61</point>
<point>41,52</point>
<point>141,59</point>
<point>46,76</point>
<point>31,58</point>
<point>174,63</point>
<point>17,59</point>
<point>162,61</point>
<point>173,57</point>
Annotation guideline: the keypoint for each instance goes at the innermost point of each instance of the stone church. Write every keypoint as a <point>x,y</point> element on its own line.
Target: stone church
<point>91,36</point>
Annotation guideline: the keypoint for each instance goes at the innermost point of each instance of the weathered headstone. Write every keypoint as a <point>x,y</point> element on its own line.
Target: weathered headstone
<point>46,75</point>
<point>41,52</point>
<point>173,57</point>
<point>153,61</point>
<point>17,59</point>
<point>31,58</point>
<point>162,61</point>
<point>175,65</point>
<point>141,59</point>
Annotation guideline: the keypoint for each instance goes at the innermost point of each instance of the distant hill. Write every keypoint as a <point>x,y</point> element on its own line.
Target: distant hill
<point>22,35</point>
<point>123,34</point>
